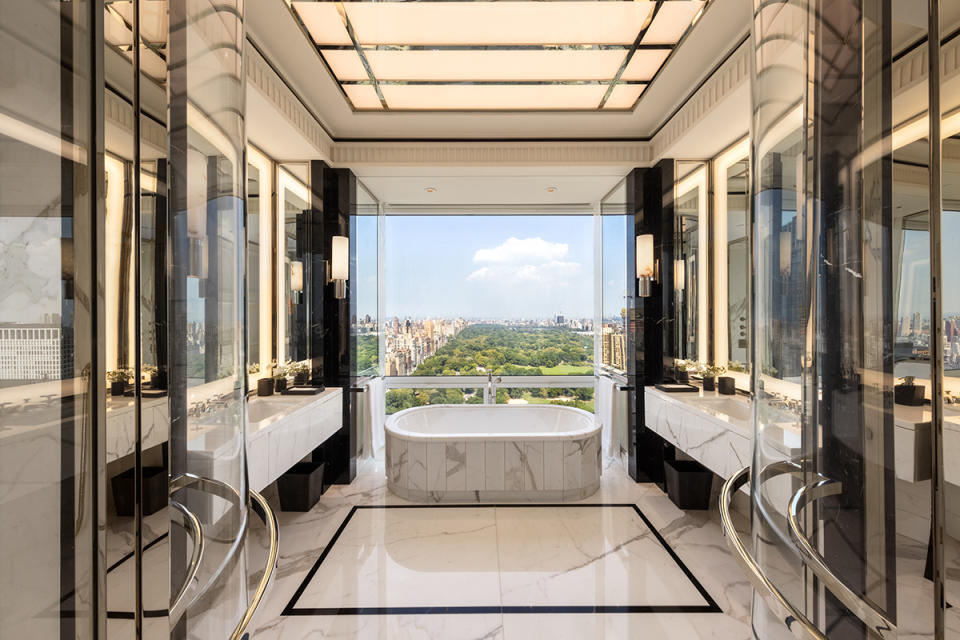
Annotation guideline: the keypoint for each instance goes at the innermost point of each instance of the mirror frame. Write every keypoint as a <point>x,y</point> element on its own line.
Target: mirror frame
<point>697,179</point>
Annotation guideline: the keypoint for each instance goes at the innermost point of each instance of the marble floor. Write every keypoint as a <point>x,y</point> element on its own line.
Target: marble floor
<point>624,563</point>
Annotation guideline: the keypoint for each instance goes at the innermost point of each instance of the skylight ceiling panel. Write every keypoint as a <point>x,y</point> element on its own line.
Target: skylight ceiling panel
<point>644,64</point>
<point>345,64</point>
<point>624,96</point>
<point>362,96</point>
<point>672,21</point>
<point>476,23</point>
<point>489,65</point>
<point>323,22</point>
<point>493,97</point>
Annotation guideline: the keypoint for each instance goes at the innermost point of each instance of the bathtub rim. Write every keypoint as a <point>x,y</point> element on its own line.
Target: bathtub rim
<point>579,434</point>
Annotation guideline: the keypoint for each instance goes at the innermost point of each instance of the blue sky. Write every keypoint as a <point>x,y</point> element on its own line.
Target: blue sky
<point>489,266</point>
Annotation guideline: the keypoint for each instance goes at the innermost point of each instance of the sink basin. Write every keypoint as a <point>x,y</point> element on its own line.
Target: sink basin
<point>727,408</point>
<point>260,410</point>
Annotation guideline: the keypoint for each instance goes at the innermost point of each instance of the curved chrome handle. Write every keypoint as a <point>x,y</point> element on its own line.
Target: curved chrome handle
<point>795,620</point>
<point>260,505</point>
<point>870,615</point>
<point>192,524</point>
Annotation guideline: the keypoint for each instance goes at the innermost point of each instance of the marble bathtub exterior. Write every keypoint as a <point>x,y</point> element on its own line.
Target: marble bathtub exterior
<point>486,471</point>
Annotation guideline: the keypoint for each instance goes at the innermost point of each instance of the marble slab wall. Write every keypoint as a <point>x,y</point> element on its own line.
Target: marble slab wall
<point>461,470</point>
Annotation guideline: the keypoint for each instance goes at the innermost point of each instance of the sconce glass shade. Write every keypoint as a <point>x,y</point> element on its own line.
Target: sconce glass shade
<point>296,276</point>
<point>645,255</point>
<point>680,274</point>
<point>340,258</point>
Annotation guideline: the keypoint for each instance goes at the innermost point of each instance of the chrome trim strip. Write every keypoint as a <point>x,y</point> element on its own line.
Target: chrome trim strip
<point>259,504</point>
<point>192,524</point>
<point>795,621</point>
<point>363,58</point>
<point>630,52</point>
<point>869,614</point>
<point>938,490</point>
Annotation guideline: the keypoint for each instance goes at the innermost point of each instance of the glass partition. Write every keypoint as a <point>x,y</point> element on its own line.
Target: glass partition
<point>691,265</point>
<point>616,228</point>
<point>486,295</point>
<point>364,274</point>
<point>731,255</point>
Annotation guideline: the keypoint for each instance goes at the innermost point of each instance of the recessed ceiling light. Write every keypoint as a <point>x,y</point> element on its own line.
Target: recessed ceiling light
<point>552,189</point>
<point>431,189</point>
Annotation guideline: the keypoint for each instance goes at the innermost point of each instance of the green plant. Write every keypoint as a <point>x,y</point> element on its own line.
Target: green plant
<point>712,370</point>
<point>739,367</point>
<point>296,368</point>
<point>684,365</point>
<point>254,368</point>
<point>279,373</point>
<point>118,375</point>
<point>907,380</point>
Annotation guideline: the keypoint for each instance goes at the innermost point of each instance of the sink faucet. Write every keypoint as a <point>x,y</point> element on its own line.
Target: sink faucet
<point>492,388</point>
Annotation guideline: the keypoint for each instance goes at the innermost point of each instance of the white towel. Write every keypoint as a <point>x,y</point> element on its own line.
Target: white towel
<point>606,409</point>
<point>375,414</point>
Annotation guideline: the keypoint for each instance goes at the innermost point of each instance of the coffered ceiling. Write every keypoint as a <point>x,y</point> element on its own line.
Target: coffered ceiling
<point>491,70</point>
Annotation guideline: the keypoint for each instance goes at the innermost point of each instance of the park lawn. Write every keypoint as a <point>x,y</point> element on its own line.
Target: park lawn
<point>530,399</point>
<point>564,369</point>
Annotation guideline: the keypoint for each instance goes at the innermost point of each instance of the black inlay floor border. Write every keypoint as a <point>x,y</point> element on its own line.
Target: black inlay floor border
<point>291,608</point>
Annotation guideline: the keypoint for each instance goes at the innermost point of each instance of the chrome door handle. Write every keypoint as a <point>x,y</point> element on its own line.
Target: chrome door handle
<point>794,619</point>
<point>866,611</point>
<point>259,504</point>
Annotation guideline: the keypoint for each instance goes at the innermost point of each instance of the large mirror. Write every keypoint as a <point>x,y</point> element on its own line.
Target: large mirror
<point>260,320</point>
<point>691,268</point>
<point>292,203</point>
<point>731,256</point>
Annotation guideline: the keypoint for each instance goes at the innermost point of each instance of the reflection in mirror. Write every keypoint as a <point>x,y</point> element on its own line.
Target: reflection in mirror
<point>292,202</point>
<point>690,267</point>
<point>260,308</point>
<point>731,255</point>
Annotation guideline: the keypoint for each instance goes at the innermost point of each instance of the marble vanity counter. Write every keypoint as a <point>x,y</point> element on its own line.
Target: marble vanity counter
<point>912,442</point>
<point>712,429</point>
<point>282,430</point>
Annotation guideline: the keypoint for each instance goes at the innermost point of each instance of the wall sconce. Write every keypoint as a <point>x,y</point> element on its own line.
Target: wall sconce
<point>647,266</point>
<point>296,280</point>
<point>680,275</point>
<point>338,267</point>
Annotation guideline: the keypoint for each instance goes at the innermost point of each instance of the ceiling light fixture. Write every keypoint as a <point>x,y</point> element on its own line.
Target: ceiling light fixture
<point>552,189</point>
<point>431,189</point>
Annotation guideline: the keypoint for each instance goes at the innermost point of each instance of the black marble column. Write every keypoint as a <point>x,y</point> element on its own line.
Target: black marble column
<point>333,201</point>
<point>649,339</point>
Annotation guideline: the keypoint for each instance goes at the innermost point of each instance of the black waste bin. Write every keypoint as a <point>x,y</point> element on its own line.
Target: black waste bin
<point>301,486</point>
<point>688,483</point>
<point>154,491</point>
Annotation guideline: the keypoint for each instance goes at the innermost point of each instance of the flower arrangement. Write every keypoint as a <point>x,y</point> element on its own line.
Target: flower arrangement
<point>300,371</point>
<point>254,368</point>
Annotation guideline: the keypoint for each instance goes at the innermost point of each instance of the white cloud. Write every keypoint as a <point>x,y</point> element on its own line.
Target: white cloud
<point>552,273</point>
<point>523,251</point>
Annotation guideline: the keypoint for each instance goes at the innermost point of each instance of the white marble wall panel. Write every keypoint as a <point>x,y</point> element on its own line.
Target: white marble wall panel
<point>436,466</point>
<point>572,464</point>
<point>416,465</point>
<point>532,463</point>
<point>513,465</point>
<point>456,453</point>
<point>476,477</point>
<point>494,466</point>
<point>553,465</point>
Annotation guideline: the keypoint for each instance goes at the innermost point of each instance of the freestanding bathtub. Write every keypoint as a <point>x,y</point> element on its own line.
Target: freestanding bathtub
<point>493,453</point>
